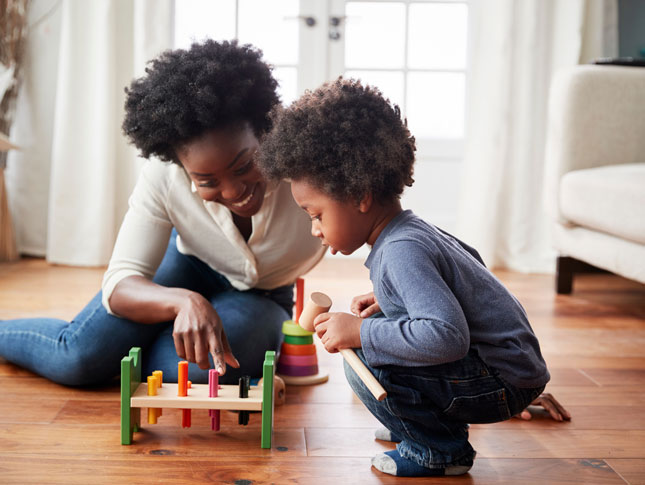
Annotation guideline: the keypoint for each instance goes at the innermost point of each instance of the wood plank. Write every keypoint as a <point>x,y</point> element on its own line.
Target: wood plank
<point>540,443</point>
<point>38,388</point>
<point>92,441</point>
<point>68,469</point>
<point>594,362</point>
<point>632,471</point>
<point>616,377</point>
<point>569,377</point>
<point>14,410</point>
<point>592,342</point>
<point>619,396</point>
<point>494,443</point>
<point>584,418</point>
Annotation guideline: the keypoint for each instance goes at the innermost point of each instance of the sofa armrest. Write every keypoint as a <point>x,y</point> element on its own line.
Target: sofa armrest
<point>596,117</point>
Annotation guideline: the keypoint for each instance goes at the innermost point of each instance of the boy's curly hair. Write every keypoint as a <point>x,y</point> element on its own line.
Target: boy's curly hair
<point>186,93</point>
<point>344,139</point>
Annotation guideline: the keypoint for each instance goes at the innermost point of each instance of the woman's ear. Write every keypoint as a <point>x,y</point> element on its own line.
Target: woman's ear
<point>366,203</point>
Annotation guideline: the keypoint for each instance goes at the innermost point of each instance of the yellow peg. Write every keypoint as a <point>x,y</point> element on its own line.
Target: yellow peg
<point>153,385</point>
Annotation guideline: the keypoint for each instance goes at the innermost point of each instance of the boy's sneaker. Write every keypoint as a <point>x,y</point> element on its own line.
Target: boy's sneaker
<point>392,463</point>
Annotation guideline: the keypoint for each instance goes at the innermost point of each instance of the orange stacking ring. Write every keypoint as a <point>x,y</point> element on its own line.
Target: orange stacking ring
<point>292,349</point>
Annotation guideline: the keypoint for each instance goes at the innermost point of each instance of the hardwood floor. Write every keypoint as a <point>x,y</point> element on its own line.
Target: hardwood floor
<point>593,341</point>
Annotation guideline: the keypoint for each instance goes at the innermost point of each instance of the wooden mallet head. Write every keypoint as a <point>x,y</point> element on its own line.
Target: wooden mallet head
<point>316,304</point>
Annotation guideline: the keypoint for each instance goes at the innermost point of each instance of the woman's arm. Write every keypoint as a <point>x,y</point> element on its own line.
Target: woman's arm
<point>197,329</point>
<point>128,290</point>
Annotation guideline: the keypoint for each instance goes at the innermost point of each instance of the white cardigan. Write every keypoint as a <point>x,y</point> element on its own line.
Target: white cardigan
<point>280,248</point>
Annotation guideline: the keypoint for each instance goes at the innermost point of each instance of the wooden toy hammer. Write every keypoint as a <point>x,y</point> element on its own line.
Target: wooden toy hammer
<point>320,303</point>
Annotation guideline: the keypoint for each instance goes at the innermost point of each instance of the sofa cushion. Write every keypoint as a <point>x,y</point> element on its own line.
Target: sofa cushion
<point>610,199</point>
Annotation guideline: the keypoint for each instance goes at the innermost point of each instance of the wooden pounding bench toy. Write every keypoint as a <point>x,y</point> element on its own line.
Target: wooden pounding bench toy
<point>155,395</point>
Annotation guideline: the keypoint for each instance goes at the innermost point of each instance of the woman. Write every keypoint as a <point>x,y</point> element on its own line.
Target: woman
<point>207,254</point>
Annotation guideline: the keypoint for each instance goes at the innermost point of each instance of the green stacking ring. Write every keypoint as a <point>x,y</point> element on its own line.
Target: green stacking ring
<point>295,330</point>
<point>290,339</point>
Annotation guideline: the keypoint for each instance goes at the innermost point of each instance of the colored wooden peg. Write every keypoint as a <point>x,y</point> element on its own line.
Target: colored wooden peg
<point>185,418</point>
<point>182,391</point>
<point>213,389</point>
<point>182,378</point>
<point>244,384</point>
<point>153,385</point>
<point>159,375</point>
<point>300,297</point>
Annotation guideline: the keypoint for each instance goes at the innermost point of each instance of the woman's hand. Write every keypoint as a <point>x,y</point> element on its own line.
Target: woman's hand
<point>338,331</point>
<point>548,402</point>
<point>198,331</point>
<point>365,306</point>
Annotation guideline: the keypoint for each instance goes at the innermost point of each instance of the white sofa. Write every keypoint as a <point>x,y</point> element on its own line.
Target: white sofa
<point>595,171</point>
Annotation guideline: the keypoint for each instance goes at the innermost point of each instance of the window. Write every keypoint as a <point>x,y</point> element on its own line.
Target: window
<point>415,51</point>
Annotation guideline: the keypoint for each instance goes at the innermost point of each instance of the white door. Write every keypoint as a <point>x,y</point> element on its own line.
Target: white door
<point>415,51</point>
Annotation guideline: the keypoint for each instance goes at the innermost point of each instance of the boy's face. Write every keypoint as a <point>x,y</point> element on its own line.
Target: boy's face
<point>343,226</point>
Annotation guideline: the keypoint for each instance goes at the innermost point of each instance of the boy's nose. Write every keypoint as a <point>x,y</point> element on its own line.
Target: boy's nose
<point>315,231</point>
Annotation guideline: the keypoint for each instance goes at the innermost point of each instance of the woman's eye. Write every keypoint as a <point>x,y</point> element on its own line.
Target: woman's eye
<point>207,183</point>
<point>244,169</point>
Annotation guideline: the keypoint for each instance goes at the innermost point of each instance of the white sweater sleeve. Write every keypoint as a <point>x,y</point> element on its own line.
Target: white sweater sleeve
<point>144,234</point>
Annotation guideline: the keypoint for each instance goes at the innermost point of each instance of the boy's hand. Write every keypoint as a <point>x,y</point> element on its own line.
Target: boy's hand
<point>338,331</point>
<point>548,402</point>
<point>365,306</point>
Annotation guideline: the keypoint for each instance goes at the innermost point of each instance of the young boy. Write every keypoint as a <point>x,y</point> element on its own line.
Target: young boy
<point>444,337</point>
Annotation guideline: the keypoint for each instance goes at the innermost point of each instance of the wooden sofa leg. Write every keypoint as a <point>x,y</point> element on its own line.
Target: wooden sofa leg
<point>564,275</point>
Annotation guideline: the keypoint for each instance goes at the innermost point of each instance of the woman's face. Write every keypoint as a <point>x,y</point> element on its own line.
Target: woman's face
<point>221,165</point>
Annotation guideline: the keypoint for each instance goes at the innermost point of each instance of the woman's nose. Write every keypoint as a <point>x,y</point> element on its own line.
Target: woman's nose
<point>232,190</point>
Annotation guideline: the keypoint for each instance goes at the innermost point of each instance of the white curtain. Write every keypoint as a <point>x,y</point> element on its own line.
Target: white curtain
<point>516,46</point>
<point>68,186</point>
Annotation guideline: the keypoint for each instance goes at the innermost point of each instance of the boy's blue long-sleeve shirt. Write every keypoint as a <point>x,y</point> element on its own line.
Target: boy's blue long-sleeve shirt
<point>439,300</point>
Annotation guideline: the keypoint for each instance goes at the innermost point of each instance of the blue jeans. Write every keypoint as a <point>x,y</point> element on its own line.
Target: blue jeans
<point>89,349</point>
<point>429,408</point>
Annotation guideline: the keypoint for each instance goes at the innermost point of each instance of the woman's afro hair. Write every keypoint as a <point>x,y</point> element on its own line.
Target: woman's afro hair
<point>344,139</point>
<point>186,93</point>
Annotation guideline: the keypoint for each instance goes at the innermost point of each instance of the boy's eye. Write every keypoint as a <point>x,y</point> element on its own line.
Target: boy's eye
<point>315,218</point>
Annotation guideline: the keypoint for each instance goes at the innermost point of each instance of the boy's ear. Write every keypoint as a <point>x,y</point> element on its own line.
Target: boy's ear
<point>365,204</point>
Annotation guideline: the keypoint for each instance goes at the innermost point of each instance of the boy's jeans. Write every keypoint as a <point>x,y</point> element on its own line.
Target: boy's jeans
<point>89,349</point>
<point>429,408</point>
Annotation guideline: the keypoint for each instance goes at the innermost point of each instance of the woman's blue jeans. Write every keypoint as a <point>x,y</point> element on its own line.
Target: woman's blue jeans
<point>429,408</point>
<point>89,349</point>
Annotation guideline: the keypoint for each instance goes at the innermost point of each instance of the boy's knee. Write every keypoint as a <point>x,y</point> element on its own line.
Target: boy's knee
<point>355,382</point>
